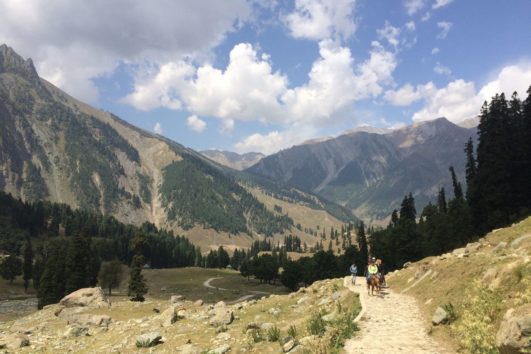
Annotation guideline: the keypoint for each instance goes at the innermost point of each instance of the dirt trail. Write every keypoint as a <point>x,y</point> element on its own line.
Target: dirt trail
<point>391,323</point>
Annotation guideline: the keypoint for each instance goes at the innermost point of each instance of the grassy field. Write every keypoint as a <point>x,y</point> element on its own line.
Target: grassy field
<point>162,284</point>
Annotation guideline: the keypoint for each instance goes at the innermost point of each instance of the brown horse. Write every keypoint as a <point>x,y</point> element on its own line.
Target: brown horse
<point>373,283</point>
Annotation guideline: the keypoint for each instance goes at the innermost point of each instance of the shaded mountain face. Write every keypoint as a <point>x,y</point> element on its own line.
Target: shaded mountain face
<point>233,160</point>
<point>57,148</point>
<point>370,173</point>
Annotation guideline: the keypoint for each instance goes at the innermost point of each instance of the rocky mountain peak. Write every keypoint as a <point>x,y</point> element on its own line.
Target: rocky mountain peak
<point>10,61</point>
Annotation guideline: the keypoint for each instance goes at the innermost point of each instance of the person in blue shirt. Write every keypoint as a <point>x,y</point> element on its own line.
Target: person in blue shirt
<point>354,272</point>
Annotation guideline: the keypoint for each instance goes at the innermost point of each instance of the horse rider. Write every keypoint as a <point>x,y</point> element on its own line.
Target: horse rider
<point>381,272</point>
<point>354,272</point>
<point>371,270</point>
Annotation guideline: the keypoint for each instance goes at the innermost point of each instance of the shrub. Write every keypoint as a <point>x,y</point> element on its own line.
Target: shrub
<point>273,334</point>
<point>316,325</point>
<point>450,310</point>
<point>477,327</point>
<point>344,328</point>
<point>292,331</point>
<point>256,335</point>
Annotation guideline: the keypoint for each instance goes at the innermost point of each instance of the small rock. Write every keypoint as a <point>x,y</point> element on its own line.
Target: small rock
<point>76,331</point>
<point>407,264</point>
<point>289,345</point>
<point>148,339</point>
<point>220,304</point>
<point>440,316</point>
<point>224,336</point>
<point>514,334</point>
<point>253,325</point>
<point>266,326</point>
<point>500,246</point>
<point>220,350</point>
<point>176,298</point>
<point>302,300</point>
<point>198,303</point>
<point>168,317</point>
<point>222,329</point>
<point>163,289</point>
<point>274,311</point>
<point>84,319</point>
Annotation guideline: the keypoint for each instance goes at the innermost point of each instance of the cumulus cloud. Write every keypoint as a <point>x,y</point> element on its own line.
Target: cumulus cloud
<point>441,3</point>
<point>445,27</point>
<point>322,19</point>
<point>196,124</point>
<point>157,128</point>
<point>248,89</point>
<point>410,26</point>
<point>460,100</point>
<point>73,42</point>
<point>435,51</point>
<point>408,94</point>
<point>390,34</point>
<point>442,70</point>
<point>413,6</point>
<point>426,17</point>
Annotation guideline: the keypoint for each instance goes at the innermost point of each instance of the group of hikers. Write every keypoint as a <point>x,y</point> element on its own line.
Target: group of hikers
<point>373,271</point>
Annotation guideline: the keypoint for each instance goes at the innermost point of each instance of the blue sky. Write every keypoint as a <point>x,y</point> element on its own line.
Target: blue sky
<point>256,75</point>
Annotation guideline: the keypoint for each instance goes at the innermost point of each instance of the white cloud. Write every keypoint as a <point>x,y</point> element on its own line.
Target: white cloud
<point>264,143</point>
<point>441,3</point>
<point>73,42</point>
<point>390,34</point>
<point>408,94</point>
<point>460,100</point>
<point>249,90</point>
<point>322,19</point>
<point>157,128</point>
<point>435,51</point>
<point>442,70</point>
<point>426,17</point>
<point>445,27</point>
<point>410,26</point>
<point>510,78</point>
<point>196,124</point>
<point>413,6</point>
<point>227,126</point>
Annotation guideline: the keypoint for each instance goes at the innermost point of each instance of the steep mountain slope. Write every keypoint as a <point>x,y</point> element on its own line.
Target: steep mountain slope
<point>55,147</point>
<point>232,159</point>
<point>371,172</point>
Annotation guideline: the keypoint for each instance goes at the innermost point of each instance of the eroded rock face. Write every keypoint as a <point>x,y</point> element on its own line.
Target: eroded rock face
<point>86,297</point>
<point>514,334</point>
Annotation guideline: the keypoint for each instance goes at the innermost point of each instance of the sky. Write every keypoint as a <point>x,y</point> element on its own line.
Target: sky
<point>257,75</point>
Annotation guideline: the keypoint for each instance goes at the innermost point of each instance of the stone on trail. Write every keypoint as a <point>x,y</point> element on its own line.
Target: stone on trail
<point>514,334</point>
<point>148,339</point>
<point>440,316</point>
<point>93,297</point>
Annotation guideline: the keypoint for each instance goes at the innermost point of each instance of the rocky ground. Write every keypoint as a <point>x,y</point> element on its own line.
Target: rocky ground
<point>88,323</point>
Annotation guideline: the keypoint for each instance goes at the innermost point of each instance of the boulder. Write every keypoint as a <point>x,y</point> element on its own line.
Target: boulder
<point>93,297</point>
<point>440,316</point>
<point>148,339</point>
<point>15,341</point>
<point>225,348</point>
<point>221,316</point>
<point>514,334</point>
<point>198,303</point>
<point>500,246</point>
<point>168,316</point>
<point>220,304</point>
<point>85,319</point>
<point>288,345</point>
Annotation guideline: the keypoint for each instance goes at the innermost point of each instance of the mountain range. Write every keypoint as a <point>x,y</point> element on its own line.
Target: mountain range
<point>369,171</point>
<point>54,147</point>
<point>233,159</point>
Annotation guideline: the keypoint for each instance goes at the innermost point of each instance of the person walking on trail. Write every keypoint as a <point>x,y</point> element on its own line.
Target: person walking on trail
<point>354,272</point>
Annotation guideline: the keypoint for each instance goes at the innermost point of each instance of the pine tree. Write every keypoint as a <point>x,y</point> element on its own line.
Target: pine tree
<point>28,264</point>
<point>458,190</point>
<point>10,268</point>
<point>362,243</point>
<point>52,282</point>
<point>526,141</point>
<point>110,275</point>
<point>78,263</point>
<point>137,284</point>
<point>441,201</point>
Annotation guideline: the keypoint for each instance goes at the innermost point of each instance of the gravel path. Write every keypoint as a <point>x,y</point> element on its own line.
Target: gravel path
<point>391,323</point>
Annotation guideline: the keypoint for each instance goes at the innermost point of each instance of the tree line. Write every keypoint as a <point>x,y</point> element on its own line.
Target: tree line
<point>498,176</point>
